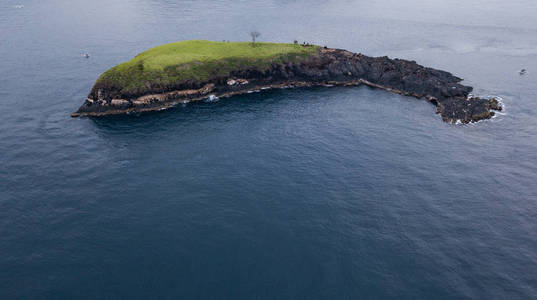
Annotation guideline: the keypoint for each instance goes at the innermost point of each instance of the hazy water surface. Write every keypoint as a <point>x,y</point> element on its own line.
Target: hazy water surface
<point>338,193</point>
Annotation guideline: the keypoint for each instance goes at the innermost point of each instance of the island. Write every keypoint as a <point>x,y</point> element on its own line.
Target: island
<point>196,70</point>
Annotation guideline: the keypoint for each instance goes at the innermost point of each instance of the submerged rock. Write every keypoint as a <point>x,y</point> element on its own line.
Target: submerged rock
<point>326,67</point>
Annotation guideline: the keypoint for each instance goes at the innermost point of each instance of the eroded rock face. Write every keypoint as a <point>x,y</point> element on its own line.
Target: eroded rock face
<point>329,67</point>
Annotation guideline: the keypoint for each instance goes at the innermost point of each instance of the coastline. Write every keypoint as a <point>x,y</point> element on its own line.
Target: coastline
<point>159,105</point>
<point>329,67</point>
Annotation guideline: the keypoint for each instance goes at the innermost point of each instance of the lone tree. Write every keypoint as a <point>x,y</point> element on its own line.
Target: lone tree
<point>254,35</point>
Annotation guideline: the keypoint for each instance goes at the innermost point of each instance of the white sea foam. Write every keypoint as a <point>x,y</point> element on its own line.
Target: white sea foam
<point>211,98</point>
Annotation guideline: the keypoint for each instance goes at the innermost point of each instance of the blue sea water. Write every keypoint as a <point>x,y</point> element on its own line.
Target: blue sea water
<point>319,193</point>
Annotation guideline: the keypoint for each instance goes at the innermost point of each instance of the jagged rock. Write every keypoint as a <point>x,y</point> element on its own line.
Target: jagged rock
<point>327,68</point>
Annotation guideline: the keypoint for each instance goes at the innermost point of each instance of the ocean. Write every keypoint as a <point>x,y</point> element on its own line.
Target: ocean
<point>311,193</point>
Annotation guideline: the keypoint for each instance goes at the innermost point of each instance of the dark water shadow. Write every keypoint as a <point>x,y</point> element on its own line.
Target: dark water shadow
<point>204,111</point>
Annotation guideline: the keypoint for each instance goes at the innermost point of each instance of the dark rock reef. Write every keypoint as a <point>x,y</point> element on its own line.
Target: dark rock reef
<point>327,68</point>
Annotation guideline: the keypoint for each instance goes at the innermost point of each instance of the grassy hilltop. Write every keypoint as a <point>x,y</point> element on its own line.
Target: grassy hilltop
<point>198,60</point>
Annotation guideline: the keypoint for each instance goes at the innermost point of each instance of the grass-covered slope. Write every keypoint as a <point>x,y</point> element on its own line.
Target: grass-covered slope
<point>197,60</point>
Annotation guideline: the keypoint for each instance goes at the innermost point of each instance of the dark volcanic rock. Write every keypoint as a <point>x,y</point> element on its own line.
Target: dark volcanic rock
<point>329,67</point>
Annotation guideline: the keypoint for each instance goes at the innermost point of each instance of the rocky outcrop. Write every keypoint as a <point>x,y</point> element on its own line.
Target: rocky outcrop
<point>329,67</point>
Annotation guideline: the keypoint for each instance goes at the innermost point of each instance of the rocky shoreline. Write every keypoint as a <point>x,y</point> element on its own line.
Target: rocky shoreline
<point>330,67</point>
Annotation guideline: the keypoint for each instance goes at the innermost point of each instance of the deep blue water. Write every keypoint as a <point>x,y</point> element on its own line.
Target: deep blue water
<point>338,193</point>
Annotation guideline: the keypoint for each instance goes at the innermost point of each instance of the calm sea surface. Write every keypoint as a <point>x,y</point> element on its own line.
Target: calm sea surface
<point>319,193</point>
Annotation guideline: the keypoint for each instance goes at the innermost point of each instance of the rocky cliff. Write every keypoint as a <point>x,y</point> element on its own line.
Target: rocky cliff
<point>328,67</point>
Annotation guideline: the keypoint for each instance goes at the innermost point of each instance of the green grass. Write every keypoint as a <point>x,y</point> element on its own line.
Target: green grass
<point>198,60</point>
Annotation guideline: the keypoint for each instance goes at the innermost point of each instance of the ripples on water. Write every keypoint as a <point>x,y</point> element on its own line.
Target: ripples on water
<point>307,193</point>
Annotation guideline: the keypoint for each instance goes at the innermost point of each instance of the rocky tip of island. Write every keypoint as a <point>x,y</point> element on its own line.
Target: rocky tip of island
<point>196,70</point>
